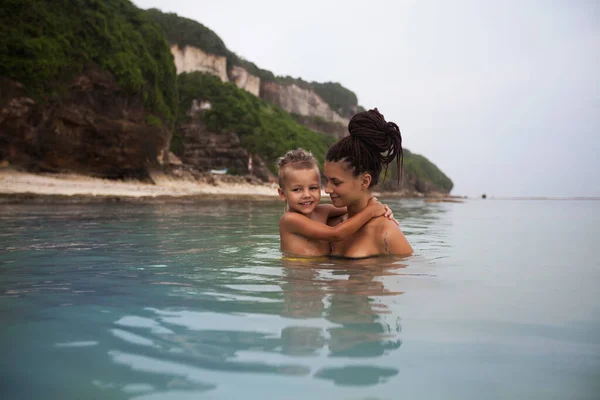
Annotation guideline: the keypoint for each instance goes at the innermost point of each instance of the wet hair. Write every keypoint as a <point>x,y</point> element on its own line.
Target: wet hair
<point>297,159</point>
<point>373,144</point>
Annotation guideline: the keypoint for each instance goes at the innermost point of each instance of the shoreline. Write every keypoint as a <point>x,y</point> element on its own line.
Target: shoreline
<point>57,199</point>
<point>40,188</point>
<point>20,187</point>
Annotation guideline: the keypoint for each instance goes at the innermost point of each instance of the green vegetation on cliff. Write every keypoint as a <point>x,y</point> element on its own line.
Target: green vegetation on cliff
<point>416,167</point>
<point>45,43</point>
<point>269,131</point>
<point>340,99</point>
<point>187,32</point>
<point>426,171</point>
<point>264,129</point>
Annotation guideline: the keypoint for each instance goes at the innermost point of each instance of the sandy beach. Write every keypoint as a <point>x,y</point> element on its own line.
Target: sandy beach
<point>21,185</point>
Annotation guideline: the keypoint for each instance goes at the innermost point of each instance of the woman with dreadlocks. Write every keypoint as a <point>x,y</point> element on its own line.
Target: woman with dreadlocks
<point>352,168</point>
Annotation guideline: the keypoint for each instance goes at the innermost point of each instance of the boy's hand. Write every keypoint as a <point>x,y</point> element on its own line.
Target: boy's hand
<point>388,211</point>
<point>389,214</point>
<point>377,209</point>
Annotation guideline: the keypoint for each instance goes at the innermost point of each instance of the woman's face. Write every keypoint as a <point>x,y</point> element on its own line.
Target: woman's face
<point>342,186</point>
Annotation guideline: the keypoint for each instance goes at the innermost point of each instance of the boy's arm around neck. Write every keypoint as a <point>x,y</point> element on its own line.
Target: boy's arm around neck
<point>301,225</point>
<point>333,211</point>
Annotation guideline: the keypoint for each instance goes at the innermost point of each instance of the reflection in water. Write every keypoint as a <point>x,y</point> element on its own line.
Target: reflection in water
<point>343,292</point>
<point>152,301</point>
<point>357,376</point>
<point>333,323</point>
<point>194,301</point>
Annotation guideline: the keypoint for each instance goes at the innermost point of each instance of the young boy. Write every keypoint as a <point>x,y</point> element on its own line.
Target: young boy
<point>303,227</point>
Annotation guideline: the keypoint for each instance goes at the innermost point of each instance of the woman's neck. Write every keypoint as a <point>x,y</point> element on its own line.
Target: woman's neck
<point>360,205</point>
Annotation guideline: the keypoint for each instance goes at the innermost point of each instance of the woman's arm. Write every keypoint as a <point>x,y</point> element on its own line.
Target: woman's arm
<point>301,225</point>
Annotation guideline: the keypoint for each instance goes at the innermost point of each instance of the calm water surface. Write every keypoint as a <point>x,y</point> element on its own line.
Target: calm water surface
<point>192,301</point>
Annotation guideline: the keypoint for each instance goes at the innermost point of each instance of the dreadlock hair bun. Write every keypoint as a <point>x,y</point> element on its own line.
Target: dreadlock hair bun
<point>373,144</point>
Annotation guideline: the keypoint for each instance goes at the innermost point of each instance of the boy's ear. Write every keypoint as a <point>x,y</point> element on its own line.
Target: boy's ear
<point>366,181</point>
<point>281,194</point>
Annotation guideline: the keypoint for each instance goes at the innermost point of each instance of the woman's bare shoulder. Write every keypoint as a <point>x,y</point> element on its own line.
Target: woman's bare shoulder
<point>394,241</point>
<point>381,224</point>
<point>389,237</point>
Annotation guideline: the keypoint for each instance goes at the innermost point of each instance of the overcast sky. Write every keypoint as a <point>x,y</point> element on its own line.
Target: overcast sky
<point>503,96</point>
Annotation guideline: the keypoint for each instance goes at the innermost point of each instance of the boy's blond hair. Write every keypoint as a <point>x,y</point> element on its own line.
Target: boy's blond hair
<point>297,159</point>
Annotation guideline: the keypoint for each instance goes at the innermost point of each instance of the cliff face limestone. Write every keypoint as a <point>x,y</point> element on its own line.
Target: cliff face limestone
<point>337,130</point>
<point>297,100</point>
<point>290,97</point>
<point>93,128</point>
<point>190,59</point>
<point>245,80</point>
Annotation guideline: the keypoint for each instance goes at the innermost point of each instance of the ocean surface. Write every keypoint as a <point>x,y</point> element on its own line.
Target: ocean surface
<point>501,300</point>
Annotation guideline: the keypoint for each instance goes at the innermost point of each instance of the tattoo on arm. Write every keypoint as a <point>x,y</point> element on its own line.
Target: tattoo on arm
<point>387,250</point>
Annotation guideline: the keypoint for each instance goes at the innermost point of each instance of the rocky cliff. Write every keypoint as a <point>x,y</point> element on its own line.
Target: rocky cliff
<point>88,88</point>
<point>190,59</point>
<point>94,128</point>
<point>301,101</point>
<point>317,124</point>
<point>291,97</point>
<point>245,80</point>
<point>197,48</point>
<point>263,129</point>
<point>206,150</point>
<point>193,59</point>
<point>93,89</point>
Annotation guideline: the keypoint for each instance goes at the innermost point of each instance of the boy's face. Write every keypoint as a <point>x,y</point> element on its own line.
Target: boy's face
<point>301,189</point>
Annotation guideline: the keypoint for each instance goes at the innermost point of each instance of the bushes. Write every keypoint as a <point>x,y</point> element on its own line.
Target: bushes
<point>340,99</point>
<point>422,169</point>
<point>426,171</point>
<point>269,131</point>
<point>187,32</point>
<point>264,129</point>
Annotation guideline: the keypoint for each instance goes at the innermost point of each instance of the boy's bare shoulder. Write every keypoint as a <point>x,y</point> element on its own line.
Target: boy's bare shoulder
<point>290,216</point>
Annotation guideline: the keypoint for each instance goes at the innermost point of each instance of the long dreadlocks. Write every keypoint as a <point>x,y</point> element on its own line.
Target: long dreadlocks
<point>373,144</point>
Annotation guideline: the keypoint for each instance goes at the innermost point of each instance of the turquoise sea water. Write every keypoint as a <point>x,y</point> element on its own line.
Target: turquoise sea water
<point>190,301</point>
